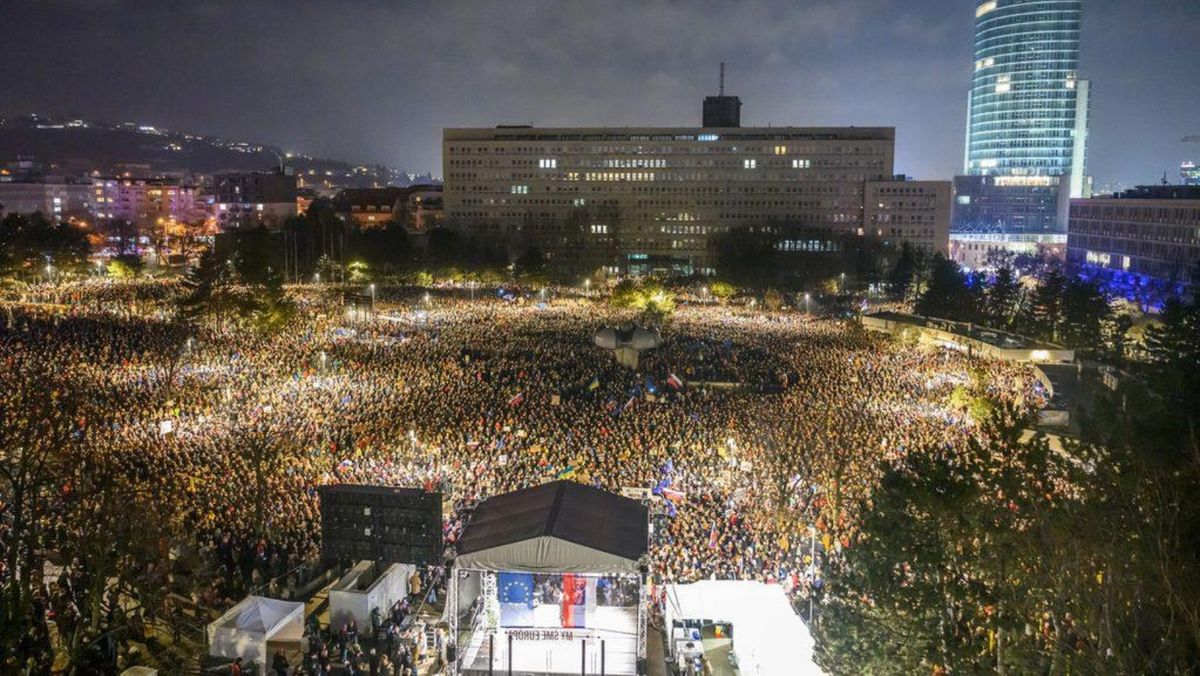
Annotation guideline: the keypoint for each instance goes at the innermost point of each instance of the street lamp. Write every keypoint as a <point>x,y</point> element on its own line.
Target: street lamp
<point>472,285</point>
<point>428,301</point>
<point>807,307</point>
<point>316,278</point>
<point>587,287</point>
<point>323,358</point>
<point>842,288</point>
<point>704,290</point>
<point>372,288</point>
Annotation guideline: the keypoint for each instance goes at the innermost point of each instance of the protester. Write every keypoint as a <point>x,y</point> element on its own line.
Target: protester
<point>759,433</point>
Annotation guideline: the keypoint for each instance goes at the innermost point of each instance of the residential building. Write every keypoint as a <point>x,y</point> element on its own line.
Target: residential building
<point>917,212</point>
<point>619,197</point>
<point>1148,233</point>
<point>147,202</point>
<point>247,199</point>
<point>56,198</point>
<point>369,207</point>
<point>1027,117</point>
<point>424,208</point>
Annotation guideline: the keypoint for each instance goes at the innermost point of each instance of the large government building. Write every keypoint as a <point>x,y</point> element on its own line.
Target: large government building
<point>656,199</point>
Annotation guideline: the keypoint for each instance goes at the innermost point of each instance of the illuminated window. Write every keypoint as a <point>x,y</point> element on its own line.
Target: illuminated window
<point>548,164</point>
<point>599,229</point>
<point>749,164</point>
<point>781,150</point>
<point>801,164</point>
<point>519,190</point>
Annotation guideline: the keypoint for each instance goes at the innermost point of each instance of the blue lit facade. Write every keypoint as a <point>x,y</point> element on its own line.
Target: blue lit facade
<point>1027,111</point>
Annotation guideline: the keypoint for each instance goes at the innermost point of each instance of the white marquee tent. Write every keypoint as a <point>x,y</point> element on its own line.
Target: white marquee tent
<point>244,630</point>
<point>769,639</point>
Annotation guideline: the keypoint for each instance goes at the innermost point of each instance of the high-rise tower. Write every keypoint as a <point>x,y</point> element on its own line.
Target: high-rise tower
<point>1027,116</point>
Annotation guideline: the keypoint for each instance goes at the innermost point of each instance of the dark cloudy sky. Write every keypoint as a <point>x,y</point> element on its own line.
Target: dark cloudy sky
<point>376,80</point>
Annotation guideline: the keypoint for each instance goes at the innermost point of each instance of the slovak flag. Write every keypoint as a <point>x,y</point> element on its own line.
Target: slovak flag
<point>518,398</point>
<point>573,612</point>
<point>674,381</point>
<point>673,495</point>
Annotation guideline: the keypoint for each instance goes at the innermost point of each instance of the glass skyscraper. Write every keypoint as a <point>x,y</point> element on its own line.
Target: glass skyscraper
<point>1027,115</point>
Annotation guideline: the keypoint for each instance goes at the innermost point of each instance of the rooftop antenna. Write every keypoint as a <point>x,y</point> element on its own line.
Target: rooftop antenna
<point>721,91</point>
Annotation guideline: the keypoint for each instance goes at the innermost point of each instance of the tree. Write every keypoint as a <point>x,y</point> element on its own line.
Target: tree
<point>945,572</point>
<point>1085,312</point>
<point>902,277</point>
<point>272,310</point>
<point>948,295</point>
<point>722,291</point>
<point>209,291</point>
<point>659,302</point>
<point>1043,315</point>
<point>125,266</point>
<point>29,243</point>
<point>531,263</point>
<point>627,295</point>
<point>773,300</point>
<point>1002,298</point>
<point>748,256</point>
<point>37,433</point>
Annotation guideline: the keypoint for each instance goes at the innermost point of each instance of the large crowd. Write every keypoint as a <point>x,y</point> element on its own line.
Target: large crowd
<point>766,430</point>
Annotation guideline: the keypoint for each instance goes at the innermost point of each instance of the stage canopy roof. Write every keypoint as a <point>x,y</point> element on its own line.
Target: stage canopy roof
<point>558,527</point>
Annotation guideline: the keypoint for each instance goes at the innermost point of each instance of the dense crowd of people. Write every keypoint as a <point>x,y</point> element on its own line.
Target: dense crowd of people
<point>760,432</point>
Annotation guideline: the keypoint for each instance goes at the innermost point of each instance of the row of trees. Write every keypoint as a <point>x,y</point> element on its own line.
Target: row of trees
<point>1015,557</point>
<point>1052,306</point>
<point>28,244</point>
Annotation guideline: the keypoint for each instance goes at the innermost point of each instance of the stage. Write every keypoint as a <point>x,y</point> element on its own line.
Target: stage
<point>609,648</point>
<point>550,580</point>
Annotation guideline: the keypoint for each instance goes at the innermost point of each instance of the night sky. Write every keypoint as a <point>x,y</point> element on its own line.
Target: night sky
<point>375,80</point>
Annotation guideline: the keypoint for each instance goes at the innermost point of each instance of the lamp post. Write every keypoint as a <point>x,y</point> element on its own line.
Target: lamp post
<point>372,288</point>
<point>842,286</point>
<point>587,288</point>
<point>704,290</point>
<point>428,300</point>
<point>323,359</point>
<point>812,532</point>
<point>472,285</point>
<point>316,278</point>
<point>807,304</point>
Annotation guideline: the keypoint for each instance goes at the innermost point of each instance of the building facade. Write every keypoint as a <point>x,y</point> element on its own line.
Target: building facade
<point>56,199</point>
<point>1027,115</point>
<point>147,202</point>
<point>1151,232</point>
<point>248,199</point>
<point>615,196</point>
<point>917,212</point>
<point>973,250</point>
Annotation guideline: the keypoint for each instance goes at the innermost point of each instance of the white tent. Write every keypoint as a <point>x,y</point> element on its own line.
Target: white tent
<point>244,630</point>
<point>356,593</point>
<point>769,639</point>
